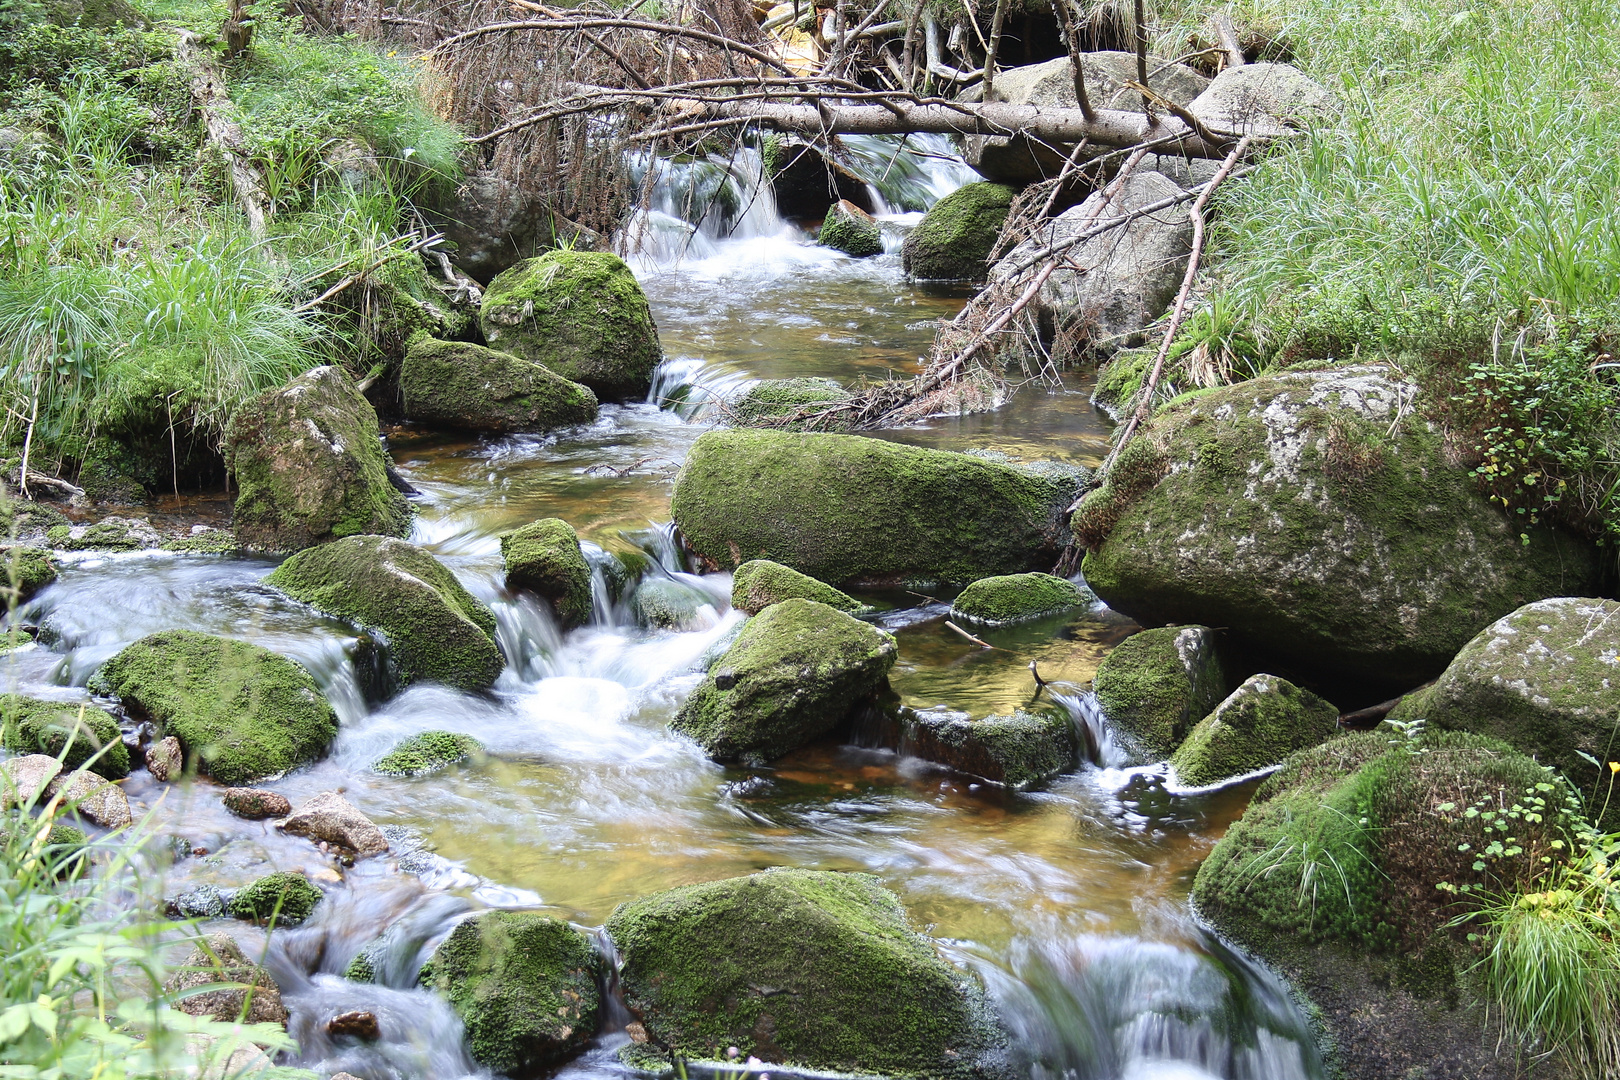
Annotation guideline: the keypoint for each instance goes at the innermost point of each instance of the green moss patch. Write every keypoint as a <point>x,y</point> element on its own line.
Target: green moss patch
<point>771,399</point>
<point>427,753</point>
<point>954,239</point>
<point>23,572</point>
<point>544,557</point>
<point>1260,724</point>
<point>759,583</point>
<point>1013,598</point>
<point>282,899</point>
<point>1021,751</point>
<point>851,230</point>
<point>30,726</point>
<point>1155,685</point>
<point>456,384</point>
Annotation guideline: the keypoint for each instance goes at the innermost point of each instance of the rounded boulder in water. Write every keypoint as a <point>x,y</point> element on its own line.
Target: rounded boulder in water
<point>851,230</point>
<point>544,557</point>
<point>1014,598</point>
<point>1259,724</point>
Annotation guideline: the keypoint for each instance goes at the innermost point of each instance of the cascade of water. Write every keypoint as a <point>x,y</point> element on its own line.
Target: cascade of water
<point>1089,723</point>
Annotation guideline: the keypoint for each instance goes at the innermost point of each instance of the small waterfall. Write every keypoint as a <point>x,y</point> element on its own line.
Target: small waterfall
<point>689,387</point>
<point>527,633</point>
<point>697,204</point>
<point>1096,736</point>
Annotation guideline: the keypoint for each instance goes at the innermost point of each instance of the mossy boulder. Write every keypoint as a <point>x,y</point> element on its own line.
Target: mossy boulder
<point>759,583</point>
<point>1257,726</point>
<point>436,630</point>
<point>309,467</point>
<point>850,229</point>
<point>525,986</point>
<point>580,313</point>
<point>664,603</point>
<point>31,726</point>
<point>1546,681</point>
<point>846,509</point>
<point>65,850</point>
<point>544,557</point>
<point>1155,685</point>
<point>796,671</point>
<point>1319,518</point>
<point>282,899</point>
<point>953,240</point>
<point>239,710</point>
<point>428,752</point>
<point>455,384</point>
<point>242,989</point>
<point>1021,751</point>
<point>770,399</point>
<point>803,968</point>
<point>23,572</point>
<point>1013,598</point>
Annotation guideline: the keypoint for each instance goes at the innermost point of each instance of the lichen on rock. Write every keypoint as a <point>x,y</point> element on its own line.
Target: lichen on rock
<point>759,583</point>
<point>544,557</point>
<point>457,384</point>
<point>1256,727</point>
<point>1156,684</point>
<point>1013,598</point>
<point>850,229</point>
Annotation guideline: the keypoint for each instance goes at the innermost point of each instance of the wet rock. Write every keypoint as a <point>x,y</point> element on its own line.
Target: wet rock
<point>286,898</point>
<point>1155,685</point>
<point>33,726</point>
<point>850,229</point>
<point>1319,517</point>
<point>456,384</point>
<point>108,534</point>
<point>436,630</point>
<point>759,583</point>
<point>238,709</point>
<point>1259,724</point>
<point>309,467</point>
<point>87,795</point>
<point>786,964</point>
<point>954,239</point>
<point>772,398</point>
<point>662,603</point>
<point>806,181</point>
<point>1014,598</point>
<point>23,779</point>
<point>24,571</point>
<point>220,960</point>
<point>1117,284</point>
<point>580,313</point>
<point>796,671</point>
<point>203,902</point>
<point>331,818</point>
<point>525,986</point>
<point>428,752</point>
<point>847,509</point>
<point>357,1024</point>
<point>1021,751</point>
<point>1546,681</point>
<point>255,804</point>
<point>165,759</point>
<point>1263,93</point>
<point>203,540</point>
<point>544,557</point>
<point>493,226</point>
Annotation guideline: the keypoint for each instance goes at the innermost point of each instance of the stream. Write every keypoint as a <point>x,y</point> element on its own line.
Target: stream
<point>1071,902</point>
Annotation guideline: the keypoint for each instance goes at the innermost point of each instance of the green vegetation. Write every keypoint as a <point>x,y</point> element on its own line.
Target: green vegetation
<point>851,230</point>
<point>428,752</point>
<point>73,733</point>
<point>281,899</point>
<point>544,557</point>
<point>759,583</point>
<point>769,399</point>
<point>1260,724</point>
<point>1011,598</point>
<point>1022,751</point>
<point>954,239</point>
<point>456,384</point>
<point>1155,685</point>
<point>23,572</point>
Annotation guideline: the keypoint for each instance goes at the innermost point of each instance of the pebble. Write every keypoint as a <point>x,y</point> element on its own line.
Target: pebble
<point>256,804</point>
<point>331,818</point>
<point>164,759</point>
<point>362,1025</point>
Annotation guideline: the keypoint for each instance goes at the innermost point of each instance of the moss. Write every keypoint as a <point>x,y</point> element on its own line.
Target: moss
<point>23,572</point>
<point>363,968</point>
<point>1260,724</point>
<point>795,671</point>
<point>758,584</point>
<point>851,230</point>
<point>239,709</point>
<point>28,522</point>
<point>427,753</point>
<point>285,898</point>
<point>579,313</point>
<point>210,542</point>
<point>436,630</point>
<point>102,536</point>
<point>844,508</point>
<point>65,849</point>
<point>786,965</point>
<point>544,557</point>
<point>1119,380</point>
<point>769,399</point>
<point>1012,598</point>
<point>525,986</point>
<point>29,726</point>
<point>1022,751</point>
<point>954,239</point>
<point>1155,685</point>
<point>460,385</point>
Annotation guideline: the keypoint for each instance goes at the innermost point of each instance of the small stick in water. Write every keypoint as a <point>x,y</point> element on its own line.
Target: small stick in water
<point>1035,671</point>
<point>970,637</point>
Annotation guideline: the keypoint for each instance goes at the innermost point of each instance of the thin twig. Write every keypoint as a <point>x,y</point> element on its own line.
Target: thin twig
<point>982,644</point>
<point>363,271</point>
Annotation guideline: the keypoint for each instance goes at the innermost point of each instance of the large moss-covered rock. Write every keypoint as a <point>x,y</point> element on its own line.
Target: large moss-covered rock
<point>953,240</point>
<point>1545,680</point>
<point>580,313</point>
<point>1012,598</point>
<point>281,899</point>
<point>1022,750</point>
<point>23,572</point>
<point>759,583</point>
<point>1318,517</point>
<point>844,508</point>
<point>31,726</point>
<point>544,557</point>
<point>796,671</point>
<point>428,752</point>
<point>1155,685</point>
<point>769,399</point>
<point>799,967</point>
<point>436,630</point>
<point>525,986</point>
<point>1259,724</point>
<point>309,467</point>
<point>239,710</point>
<point>851,230</point>
<point>456,384</point>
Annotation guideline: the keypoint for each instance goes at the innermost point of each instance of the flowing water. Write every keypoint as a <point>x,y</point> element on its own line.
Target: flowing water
<point>1071,902</point>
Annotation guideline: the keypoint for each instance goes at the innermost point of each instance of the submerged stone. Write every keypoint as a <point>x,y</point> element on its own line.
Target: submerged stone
<point>1155,685</point>
<point>759,583</point>
<point>662,603</point>
<point>1021,751</point>
<point>954,239</point>
<point>544,557</point>
<point>428,752</point>
<point>83,730</point>
<point>1013,598</point>
<point>456,384</point>
<point>1259,724</point>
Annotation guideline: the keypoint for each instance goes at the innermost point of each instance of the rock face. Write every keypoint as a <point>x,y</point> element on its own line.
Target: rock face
<point>758,584</point>
<point>785,965</point>
<point>1546,681</point>
<point>240,710</point>
<point>1331,876</point>
<point>88,796</point>
<point>255,804</point>
<point>544,557</point>
<point>1118,283</point>
<point>796,671</point>
<point>332,819</point>
<point>165,759</point>
<point>456,384</point>
<point>428,752</point>
<point>771,398</point>
<point>525,986</point>
<point>1020,751</point>
<point>1262,94</point>
<point>309,468</point>
<point>851,230</point>
<point>845,509</point>
<point>285,898</point>
<point>220,960</point>
<point>1259,724</point>
<point>24,571</point>
<point>579,313</point>
<point>1155,685</point>
<point>953,240</point>
<point>493,226</point>
<point>1013,598</point>
<point>436,630</point>
<point>23,779</point>
<point>806,181</point>
<point>1317,516</point>
<point>31,726</point>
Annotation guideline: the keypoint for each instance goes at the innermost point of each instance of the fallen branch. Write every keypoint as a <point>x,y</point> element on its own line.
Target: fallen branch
<point>208,92</point>
<point>1226,34</point>
<point>389,256</point>
<point>970,637</point>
